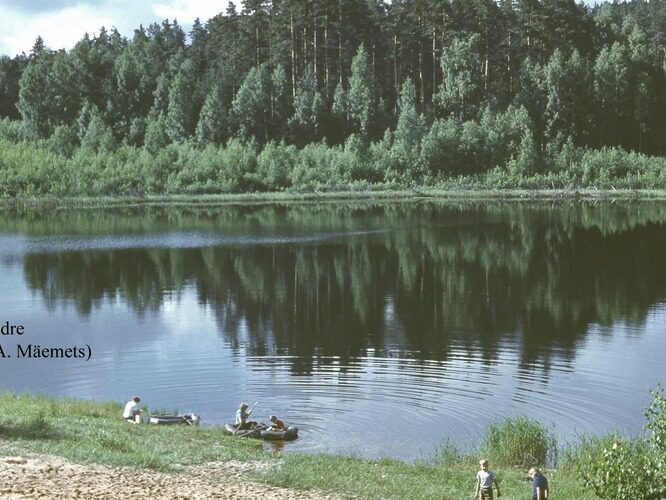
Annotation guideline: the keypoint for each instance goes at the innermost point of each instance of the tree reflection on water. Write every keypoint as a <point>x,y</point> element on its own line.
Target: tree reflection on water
<point>324,281</point>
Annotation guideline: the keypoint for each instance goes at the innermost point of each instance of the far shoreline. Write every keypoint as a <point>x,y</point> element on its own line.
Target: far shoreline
<point>370,196</point>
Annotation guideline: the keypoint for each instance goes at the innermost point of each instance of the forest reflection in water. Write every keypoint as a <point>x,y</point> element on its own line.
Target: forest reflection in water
<point>429,291</point>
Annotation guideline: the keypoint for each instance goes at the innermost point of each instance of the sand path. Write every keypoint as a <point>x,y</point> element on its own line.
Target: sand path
<point>33,476</point>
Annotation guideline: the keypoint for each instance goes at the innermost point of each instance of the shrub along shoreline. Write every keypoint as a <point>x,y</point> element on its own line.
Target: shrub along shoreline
<point>41,169</point>
<point>88,432</point>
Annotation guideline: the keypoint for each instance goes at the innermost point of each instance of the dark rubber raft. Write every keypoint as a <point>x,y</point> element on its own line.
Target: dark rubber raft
<point>187,419</point>
<point>262,432</point>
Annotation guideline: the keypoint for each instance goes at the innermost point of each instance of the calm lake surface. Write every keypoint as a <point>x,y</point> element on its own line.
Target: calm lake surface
<point>378,329</point>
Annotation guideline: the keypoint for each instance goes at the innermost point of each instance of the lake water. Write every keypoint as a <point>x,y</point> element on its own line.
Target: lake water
<point>378,329</point>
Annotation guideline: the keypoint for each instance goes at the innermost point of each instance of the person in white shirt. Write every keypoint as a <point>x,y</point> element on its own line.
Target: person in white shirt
<point>484,482</point>
<point>132,410</point>
<point>241,418</point>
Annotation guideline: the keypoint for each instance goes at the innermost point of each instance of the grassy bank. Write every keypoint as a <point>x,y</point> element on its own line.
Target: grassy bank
<point>86,432</point>
<point>438,194</point>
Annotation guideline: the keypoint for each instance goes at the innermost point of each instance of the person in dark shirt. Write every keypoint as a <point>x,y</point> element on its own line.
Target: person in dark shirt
<point>539,484</point>
<point>276,424</point>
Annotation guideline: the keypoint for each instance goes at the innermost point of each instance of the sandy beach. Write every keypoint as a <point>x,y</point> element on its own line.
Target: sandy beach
<point>32,476</point>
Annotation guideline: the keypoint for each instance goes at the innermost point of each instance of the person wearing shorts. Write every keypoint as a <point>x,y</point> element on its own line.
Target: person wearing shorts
<point>485,479</point>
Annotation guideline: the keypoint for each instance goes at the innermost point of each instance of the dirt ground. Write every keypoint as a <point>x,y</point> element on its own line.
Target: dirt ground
<point>48,477</point>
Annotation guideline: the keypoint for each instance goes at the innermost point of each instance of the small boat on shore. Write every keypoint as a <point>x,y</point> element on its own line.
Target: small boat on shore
<point>187,419</point>
<point>263,431</point>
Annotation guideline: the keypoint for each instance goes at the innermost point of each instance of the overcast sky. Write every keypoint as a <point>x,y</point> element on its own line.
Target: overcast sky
<point>61,23</point>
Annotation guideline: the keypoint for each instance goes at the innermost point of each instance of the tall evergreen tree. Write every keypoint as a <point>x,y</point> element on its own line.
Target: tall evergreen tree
<point>567,98</point>
<point>409,131</point>
<point>611,85</point>
<point>306,122</point>
<point>212,124</point>
<point>532,95</point>
<point>279,102</point>
<point>361,98</point>
<point>339,116</point>
<point>251,106</point>
<point>461,89</point>
<point>10,74</point>
<point>180,112</point>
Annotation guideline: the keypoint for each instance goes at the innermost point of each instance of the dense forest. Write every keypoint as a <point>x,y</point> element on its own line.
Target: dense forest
<point>340,94</point>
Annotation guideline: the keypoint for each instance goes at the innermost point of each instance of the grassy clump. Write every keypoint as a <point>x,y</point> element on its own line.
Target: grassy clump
<point>519,441</point>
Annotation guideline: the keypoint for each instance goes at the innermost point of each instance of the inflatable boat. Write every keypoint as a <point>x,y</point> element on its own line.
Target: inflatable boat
<point>187,419</point>
<point>288,434</point>
<point>263,431</point>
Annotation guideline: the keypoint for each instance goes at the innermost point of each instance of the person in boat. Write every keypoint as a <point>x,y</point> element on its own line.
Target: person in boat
<point>241,418</point>
<point>132,412</point>
<point>276,424</point>
<point>485,479</point>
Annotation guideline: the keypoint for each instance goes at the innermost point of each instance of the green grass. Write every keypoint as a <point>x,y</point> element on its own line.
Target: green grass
<point>393,479</point>
<point>442,193</point>
<point>87,432</point>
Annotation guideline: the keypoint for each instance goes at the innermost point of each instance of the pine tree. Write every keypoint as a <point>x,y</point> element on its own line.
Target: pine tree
<point>611,85</point>
<point>211,128</point>
<point>93,132</point>
<point>179,115</point>
<point>411,126</point>
<point>160,101</point>
<point>409,132</point>
<point>10,73</point>
<point>251,106</point>
<point>279,102</point>
<point>156,136</point>
<point>339,115</point>
<point>361,99</point>
<point>567,98</point>
<point>461,89</point>
<point>305,124</point>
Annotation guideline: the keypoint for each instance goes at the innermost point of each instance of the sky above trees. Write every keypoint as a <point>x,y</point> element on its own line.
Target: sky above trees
<point>61,22</point>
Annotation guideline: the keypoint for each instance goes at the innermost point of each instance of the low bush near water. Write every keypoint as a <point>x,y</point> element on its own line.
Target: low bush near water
<point>519,441</point>
<point>618,468</point>
<point>448,157</point>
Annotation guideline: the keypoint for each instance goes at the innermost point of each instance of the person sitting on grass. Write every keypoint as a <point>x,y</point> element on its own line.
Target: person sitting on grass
<point>276,424</point>
<point>484,482</point>
<point>132,412</point>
